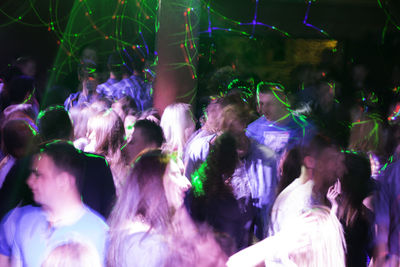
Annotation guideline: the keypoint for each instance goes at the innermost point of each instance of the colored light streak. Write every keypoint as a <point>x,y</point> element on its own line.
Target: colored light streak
<point>310,25</point>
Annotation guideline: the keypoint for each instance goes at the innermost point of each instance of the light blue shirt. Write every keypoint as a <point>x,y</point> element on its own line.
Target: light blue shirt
<point>35,238</point>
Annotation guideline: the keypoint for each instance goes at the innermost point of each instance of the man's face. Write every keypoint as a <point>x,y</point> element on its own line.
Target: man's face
<point>43,180</point>
<point>29,68</point>
<point>136,145</point>
<point>269,106</point>
<point>329,166</point>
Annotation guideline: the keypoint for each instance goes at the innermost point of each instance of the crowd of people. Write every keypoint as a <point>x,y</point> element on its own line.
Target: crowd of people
<point>264,176</point>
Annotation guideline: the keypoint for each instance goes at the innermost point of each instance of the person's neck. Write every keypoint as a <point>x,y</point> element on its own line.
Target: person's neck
<point>284,119</point>
<point>305,174</point>
<point>64,212</point>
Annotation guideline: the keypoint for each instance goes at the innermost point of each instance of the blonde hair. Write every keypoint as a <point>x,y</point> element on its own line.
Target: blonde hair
<point>177,124</point>
<point>327,244</point>
<point>367,135</point>
<point>73,254</point>
<point>109,134</point>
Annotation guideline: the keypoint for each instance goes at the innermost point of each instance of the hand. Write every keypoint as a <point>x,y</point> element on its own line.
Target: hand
<point>333,192</point>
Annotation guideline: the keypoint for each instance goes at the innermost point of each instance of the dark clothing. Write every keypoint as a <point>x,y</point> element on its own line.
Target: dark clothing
<point>224,213</point>
<point>15,189</point>
<point>98,190</point>
<point>359,240</point>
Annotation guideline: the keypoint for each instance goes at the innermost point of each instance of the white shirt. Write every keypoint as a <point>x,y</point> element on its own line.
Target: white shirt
<point>291,202</point>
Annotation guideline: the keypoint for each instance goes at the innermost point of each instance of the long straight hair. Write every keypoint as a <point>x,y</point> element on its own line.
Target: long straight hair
<point>142,195</point>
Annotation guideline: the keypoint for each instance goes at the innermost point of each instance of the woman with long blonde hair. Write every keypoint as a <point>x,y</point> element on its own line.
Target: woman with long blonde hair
<point>106,134</point>
<point>149,226</point>
<point>178,125</point>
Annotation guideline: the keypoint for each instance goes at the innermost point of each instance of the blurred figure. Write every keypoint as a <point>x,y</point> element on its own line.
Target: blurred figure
<point>211,199</point>
<point>21,97</point>
<point>73,254</point>
<point>132,84</point>
<point>322,165</point>
<point>146,135</point>
<point>57,173</point>
<point>124,106</point>
<point>178,125</point>
<point>149,227</point>
<point>314,239</point>
<point>98,189</point>
<point>87,75</point>
<point>387,217</point>
<point>27,65</point>
<point>80,117</point>
<point>277,128</point>
<point>255,177</point>
<point>114,65</point>
<point>19,141</point>
<point>54,123</point>
<point>368,135</point>
<point>329,113</point>
<point>106,137</point>
<point>355,217</point>
<point>289,168</point>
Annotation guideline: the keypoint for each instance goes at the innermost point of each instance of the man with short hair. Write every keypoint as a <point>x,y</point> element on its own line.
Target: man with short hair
<point>30,235</point>
<point>114,66</point>
<point>146,135</point>
<point>277,128</point>
<point>132,84</point>
<point>87,75</point>
<point>323,164</point>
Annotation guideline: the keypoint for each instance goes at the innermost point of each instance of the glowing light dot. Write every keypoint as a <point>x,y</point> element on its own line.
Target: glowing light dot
<point>106,37</point>
<point>58,42</point>
<point>142,59</point>
<point>188,9</point>
<point>133,46</point>
<point>94,27</point>
<point>147,17</point>
<point>113,17</point>
<point>76,35</point>
<point>86,13</point>
<point>19,17</point>
<point>49,29</point>
<point>182,45</point>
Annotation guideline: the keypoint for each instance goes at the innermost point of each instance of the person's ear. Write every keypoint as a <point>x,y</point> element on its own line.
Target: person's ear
<point>309,162</point>
<point>65,180</point>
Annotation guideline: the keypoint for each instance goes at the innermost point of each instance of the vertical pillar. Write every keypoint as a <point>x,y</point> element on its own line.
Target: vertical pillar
<point>176,46</point>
